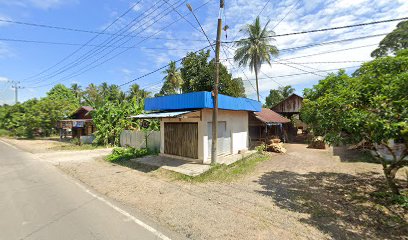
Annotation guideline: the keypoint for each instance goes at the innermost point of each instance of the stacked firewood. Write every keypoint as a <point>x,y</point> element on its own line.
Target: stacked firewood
<point>275,145</point>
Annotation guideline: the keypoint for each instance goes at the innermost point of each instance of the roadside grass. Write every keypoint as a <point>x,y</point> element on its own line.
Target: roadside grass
<point>74,147</point>
<point>5,133</point>
<point>222,172</point>
<point>123,154</point>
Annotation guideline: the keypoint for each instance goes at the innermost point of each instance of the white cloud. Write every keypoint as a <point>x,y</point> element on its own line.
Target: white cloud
<point>42,4</point>
<point>5,51</point>
<point>3,79</point>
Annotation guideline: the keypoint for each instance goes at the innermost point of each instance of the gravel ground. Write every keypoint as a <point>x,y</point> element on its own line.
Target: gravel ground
<point>304,194</point>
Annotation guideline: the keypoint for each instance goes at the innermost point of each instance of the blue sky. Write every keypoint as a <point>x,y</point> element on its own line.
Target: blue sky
<point>21,61</point>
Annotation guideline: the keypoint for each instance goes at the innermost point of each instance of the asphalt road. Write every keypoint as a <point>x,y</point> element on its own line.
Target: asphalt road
<point>39,202</point>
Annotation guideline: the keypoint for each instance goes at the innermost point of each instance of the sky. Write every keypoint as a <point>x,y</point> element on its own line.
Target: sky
<point>106,45</point>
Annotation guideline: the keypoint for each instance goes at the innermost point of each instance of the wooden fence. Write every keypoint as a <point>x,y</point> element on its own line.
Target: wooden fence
<point>140,139</point>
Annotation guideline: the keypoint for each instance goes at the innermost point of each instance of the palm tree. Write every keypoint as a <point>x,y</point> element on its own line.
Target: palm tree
<point>256,49</point>
<point>76,89</point>
<point>173,76</point>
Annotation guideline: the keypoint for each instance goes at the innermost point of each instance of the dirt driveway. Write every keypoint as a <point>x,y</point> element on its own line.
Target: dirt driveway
<point>304,194</point>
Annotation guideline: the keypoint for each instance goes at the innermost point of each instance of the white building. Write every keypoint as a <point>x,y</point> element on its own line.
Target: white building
<point>186,124</point>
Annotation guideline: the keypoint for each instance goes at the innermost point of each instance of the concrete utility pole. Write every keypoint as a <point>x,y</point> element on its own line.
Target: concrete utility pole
<point>215,91</point>
<point>15,85</point>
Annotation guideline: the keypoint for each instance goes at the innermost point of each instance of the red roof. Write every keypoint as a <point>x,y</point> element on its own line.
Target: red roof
<point>269,116</point>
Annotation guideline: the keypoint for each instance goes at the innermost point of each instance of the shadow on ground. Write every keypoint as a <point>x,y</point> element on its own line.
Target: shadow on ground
<point>136,165</point>
<point>353,155</point>
<point>342,205</point>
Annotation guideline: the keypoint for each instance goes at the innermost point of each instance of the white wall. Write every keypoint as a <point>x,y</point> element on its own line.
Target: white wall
<point>137,139</point>
<point>237,126</point>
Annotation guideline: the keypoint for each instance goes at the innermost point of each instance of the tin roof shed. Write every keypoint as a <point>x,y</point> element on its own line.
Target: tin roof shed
<point>200,100</point>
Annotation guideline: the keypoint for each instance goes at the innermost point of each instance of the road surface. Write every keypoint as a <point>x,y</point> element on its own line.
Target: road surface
<point>39,202</point>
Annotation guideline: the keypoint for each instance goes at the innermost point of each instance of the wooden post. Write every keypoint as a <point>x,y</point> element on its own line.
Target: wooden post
<point>215,91</point>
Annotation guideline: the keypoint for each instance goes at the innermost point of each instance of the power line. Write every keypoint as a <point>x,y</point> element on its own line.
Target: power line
<point>263,8</point>
<point>329,29</point>
<point>329,43</point>
<point>147,74</point>
<point>95,51</point>
<point>290,10</point>
<point>90,53</point>
<point>89,41</point>
<point>158,69</point>
<point>82,44</point>
<point>134,45</point>
<point>299,74</point>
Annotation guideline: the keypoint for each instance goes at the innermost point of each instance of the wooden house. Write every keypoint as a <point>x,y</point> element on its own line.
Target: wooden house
<point>265,125</point>
<point>79,125</point>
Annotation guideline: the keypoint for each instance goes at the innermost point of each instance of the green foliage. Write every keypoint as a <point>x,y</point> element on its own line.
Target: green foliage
<point>371,106</point>
<point>393,42</point>
<point>172,80</point>
<point>38,117</point>
<point>277,95</point>
<point>4,133</point>
<point>256,48</point>
<point>199,74</point>
<point>121,154</point>
<point>111,119</point>
<point>260,149</point>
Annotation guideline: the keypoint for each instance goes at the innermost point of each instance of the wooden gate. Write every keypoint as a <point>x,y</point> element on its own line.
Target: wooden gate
<point>181,139</point>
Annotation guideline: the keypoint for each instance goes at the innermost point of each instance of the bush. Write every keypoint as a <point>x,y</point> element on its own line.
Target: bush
<point>260,149</point>
<point>120,153</point>
<point>4,133</point>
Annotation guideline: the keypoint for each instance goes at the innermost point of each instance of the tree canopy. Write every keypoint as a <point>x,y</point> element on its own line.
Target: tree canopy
<point>371,106</point>
<point>393,42</point>
<point>199,74</point>
<point>277,95</point>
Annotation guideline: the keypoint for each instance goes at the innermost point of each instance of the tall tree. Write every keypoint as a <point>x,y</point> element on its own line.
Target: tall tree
<point>394,41</point>
<point>76,89</point>
<point>172,80</point>
<point>199,75</point>
<point>372,106</point>
<point>256,49</point>
<point>136,92</point>
<point>277,95</point>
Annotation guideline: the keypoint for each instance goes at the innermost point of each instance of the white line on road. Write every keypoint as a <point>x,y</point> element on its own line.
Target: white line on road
<point>123,212</point>
<point>8,144</point>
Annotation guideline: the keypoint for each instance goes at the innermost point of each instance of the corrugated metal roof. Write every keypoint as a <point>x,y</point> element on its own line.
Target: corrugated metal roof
<point>160,115</point>
<point>269,116</point>
<point>200,100</point>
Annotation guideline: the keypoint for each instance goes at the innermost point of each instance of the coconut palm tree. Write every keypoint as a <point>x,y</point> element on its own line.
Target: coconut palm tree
<point>76,89</point>
<point>173,76</point>
<point>256,48</point>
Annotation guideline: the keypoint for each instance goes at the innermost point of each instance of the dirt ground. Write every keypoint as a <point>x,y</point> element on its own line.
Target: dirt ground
<point>304,194</point>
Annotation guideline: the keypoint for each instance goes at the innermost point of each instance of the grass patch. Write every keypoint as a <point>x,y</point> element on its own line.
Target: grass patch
<point>74,147</point>
<point>5,133</point>
<point>224,173</point>
<point>122,154</point>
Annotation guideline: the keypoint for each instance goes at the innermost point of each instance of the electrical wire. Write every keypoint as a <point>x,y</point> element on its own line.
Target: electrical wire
<point>329,29</point>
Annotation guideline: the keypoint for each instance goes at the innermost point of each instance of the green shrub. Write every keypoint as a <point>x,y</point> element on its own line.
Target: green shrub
<point>4,133</point>
<point>75,141</point>
<point>260,149</point>
<point>120,153</point>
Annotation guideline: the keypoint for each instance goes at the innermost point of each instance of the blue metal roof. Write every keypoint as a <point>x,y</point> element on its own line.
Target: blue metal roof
<point>199,100</point>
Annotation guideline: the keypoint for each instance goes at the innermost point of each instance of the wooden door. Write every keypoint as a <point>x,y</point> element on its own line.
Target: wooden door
<point>181,139</point>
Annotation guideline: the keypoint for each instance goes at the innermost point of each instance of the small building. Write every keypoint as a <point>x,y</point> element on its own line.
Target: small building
<point>290,108</point>
<point>79,125</point>
<point>265,125</point>
<point>186,124</point>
